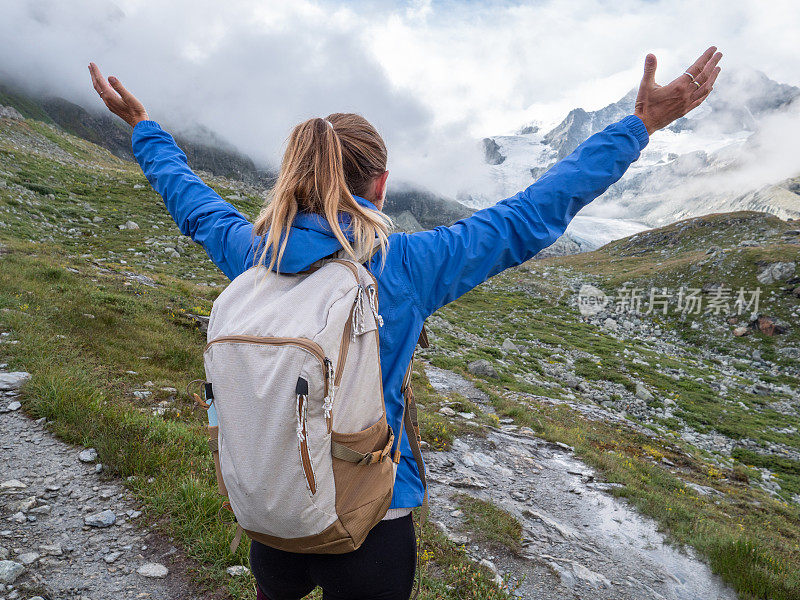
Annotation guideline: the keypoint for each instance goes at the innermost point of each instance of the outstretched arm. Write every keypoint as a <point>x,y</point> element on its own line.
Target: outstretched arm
<point>446,262</point>
<point>224,233</point>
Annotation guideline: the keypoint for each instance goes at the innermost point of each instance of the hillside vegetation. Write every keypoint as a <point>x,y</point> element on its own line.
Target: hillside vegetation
<point>101,300</point>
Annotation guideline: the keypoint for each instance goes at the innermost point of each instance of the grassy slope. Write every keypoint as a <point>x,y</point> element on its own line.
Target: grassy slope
<point>92,336</point>
<point>750,538</point>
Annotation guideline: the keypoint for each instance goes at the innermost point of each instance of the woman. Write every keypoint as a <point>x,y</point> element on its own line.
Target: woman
<point>328,196</point>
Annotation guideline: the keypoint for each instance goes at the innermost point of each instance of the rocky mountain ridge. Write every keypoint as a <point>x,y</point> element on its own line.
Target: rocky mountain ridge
<point>730,154</point>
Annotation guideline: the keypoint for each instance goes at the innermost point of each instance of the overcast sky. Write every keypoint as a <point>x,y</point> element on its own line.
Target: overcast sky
<point>432,76</point>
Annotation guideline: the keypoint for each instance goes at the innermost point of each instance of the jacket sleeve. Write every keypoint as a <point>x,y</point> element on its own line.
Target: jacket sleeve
<point>446,262</point>
<point>224,232</point>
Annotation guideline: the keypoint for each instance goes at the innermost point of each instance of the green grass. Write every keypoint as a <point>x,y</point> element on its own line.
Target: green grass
<point>490,523</point>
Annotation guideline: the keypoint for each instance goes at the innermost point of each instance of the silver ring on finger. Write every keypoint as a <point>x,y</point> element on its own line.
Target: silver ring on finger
<point>690,75</point>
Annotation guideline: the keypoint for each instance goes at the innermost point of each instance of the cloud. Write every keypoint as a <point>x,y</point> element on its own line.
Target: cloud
<point>432,76</point>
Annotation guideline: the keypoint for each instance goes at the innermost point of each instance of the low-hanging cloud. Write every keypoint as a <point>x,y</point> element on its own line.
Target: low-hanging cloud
<point>432,77</point>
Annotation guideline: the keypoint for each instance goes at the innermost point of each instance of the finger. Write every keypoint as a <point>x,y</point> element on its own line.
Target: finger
<point>100,84</point>
<point>709,68</point>
<point>706,88</point>
<point>698,65</point>
<point>650,64</point>
<point>648,79</point>
<point>120,89</point>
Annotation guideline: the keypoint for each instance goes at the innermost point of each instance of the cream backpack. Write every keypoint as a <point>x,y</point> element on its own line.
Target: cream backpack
<point>302,447</point>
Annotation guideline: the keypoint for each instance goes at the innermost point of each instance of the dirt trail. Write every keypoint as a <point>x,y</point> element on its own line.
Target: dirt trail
<point>48,494</point>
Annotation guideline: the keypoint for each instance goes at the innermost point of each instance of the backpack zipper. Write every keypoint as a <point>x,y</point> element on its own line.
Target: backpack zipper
<point>307,345</point>
<point>302,433</point>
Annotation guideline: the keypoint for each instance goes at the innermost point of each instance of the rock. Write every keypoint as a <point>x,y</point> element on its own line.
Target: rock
<point>447,411</point>
<point>9,571</point>
<point>491,152</point>
<point>611,324</point>
<point>643,393</point>
<point>25,504</point>
<point>770,326</point>
<point>572,573</point>
<point>102,519</point>
<point>201,320</point>
<point>129,225</point>
<point>237,570</point>
<point>153,570</point>
<point>776,272</point>
<point>111,557</point>
<point>28,558</point>
<point>468,483</point>
<point>790,352</point>
<point>15,405</point>
<point>9,112</point>
<point>13,381</point>
<point>740,331</point>
<point>509,346</point>
<point>51,549</point>
<point>482,368</point>
<point>138,186</point>
<point>12,484</point>
<point>591,300</point>
<point>87,456</point>
<point>757,355</point>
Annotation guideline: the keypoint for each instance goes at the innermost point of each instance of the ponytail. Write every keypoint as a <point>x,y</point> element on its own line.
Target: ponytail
<point>325,163</point>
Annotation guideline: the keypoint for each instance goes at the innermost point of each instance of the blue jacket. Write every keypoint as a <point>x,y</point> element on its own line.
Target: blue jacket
<point>424,270</point>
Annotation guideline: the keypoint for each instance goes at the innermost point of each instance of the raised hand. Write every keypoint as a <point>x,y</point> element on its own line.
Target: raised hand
<point>118,100</point>
<point>658,106</point>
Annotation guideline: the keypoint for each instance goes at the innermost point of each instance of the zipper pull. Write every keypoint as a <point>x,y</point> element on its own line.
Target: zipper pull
<point>301,391</point>
<point>358,314</point>
<point>330,391</point>
<point>373,304</point>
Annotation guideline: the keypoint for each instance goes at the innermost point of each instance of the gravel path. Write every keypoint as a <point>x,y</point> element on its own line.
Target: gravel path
<point>49,490</point>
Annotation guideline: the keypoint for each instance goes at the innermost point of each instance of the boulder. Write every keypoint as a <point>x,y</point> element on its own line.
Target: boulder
<point>770,326</point>
<point>102,519</point>
<point>87,456</point>
<point>10,382</point>
<point>9,112</point>
<point>509,346</point>
<point>778,271</point>
<point>9,571</point>
<point>643,393</point>
<point>483,368</point>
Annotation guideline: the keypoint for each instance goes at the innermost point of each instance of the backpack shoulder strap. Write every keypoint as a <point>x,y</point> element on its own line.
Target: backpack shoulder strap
<point>411,424</point>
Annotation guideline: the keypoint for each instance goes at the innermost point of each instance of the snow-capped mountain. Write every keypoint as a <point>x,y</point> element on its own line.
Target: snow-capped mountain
<point>738,151</point>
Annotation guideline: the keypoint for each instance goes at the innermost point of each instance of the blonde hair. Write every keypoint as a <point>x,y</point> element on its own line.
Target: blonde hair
<point>326,162</point>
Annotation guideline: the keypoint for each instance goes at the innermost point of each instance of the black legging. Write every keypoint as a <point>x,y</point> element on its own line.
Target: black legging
<point>381,569</point>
